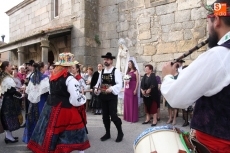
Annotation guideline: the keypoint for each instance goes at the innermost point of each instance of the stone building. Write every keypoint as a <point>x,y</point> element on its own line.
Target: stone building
<point>156,31</point>
<point>3,55</point>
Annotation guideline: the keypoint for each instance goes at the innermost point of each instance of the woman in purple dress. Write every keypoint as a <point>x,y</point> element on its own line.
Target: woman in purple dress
<point>130,97</point>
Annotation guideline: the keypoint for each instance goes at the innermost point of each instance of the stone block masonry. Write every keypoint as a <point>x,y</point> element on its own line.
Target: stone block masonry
<point>157,31</point>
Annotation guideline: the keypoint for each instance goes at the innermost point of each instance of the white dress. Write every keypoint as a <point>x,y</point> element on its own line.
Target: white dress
<point>88,94</point>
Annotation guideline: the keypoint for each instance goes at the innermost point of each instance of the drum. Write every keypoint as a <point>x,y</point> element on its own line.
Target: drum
<point>161,139</point>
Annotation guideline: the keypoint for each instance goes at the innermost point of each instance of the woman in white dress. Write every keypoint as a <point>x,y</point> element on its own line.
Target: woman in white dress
<point>87,90</point>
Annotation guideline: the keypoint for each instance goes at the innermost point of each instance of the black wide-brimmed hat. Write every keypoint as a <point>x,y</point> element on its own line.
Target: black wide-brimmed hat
<point>31,62</point>
<point>108,55</point>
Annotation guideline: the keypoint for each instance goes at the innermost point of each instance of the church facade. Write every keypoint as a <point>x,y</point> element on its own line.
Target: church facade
<point>156,31</point>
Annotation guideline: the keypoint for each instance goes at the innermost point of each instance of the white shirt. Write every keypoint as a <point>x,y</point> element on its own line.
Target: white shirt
<point>73,87</point>
<point>206,76</point>
<point>118,80</point>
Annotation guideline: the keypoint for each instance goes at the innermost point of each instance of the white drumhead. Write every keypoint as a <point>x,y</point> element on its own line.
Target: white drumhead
<point>161,139</point>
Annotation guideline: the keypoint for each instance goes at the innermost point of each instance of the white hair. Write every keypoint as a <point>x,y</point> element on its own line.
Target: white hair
<point>20,67</point>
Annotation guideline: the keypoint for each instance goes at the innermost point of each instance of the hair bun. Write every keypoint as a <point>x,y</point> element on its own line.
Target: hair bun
<point>35,65</point>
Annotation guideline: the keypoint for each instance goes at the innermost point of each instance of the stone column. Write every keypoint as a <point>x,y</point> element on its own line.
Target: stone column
<point>45,48</point>
<point>20,55</point>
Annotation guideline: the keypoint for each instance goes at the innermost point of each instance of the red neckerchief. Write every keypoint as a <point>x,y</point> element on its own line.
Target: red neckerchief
<point>78,77</point>
<point>55,76</point>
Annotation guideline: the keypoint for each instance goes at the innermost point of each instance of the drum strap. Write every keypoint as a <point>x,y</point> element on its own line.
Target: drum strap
<point>200,148</point>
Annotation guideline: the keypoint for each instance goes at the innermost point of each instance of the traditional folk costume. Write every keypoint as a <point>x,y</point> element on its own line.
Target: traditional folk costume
<point>206,81</point>
<point>37,90</point>
<point>60,127</point>
<point>1,127</point>
<point>81,81</point>
<point>82,84</point>
<point>110,78</point>
<point>10,109</point>
<point>26,82</point>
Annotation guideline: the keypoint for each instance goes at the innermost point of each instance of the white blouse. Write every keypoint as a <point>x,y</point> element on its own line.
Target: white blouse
<point>206,76</point>
<point>73,87</point>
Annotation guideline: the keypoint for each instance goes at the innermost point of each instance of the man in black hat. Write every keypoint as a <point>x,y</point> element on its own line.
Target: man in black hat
<point>30,69</point>
<point>109,84</point>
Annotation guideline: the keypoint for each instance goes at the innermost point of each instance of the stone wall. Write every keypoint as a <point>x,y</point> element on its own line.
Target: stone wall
<point>156,31</point>
<point>82,14</point>
<point>84,31</point>
<point>38,16</point>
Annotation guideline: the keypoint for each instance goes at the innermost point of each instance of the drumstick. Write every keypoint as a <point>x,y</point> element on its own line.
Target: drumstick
<point>152,146</point>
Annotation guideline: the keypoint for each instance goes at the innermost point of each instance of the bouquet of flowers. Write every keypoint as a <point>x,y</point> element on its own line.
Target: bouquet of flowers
<point>126,80</point>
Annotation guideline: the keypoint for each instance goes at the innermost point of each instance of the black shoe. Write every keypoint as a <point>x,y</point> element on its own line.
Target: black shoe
<point>158,119</point>
<point>16,138</point>
<point>146,122</point>
<point>120,137</point>
<point>154,124</point>
<point>105,137</point>
<point>185,124</point>
<point>10,141</point>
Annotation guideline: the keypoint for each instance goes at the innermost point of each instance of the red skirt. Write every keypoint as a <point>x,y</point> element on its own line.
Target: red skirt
<point>214,144</point>
<point>153,108</point>
<point>59,130</point>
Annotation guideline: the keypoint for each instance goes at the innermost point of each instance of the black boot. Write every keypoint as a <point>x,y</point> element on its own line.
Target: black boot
<point>107,129</point>
<point>120,134</point>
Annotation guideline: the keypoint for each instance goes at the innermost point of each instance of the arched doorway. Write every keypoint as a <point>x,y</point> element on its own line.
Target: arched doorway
<point>50,57</point>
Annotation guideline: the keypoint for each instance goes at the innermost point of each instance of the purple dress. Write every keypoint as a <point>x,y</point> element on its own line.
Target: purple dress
<point>131,100</point>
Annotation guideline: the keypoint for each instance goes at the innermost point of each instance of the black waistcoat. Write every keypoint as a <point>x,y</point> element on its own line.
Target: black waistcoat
<point>212,114</point>
<point>59,93</point>
<point>107,80</point>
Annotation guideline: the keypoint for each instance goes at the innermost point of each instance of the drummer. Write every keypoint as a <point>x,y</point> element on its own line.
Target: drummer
<point>206,81</point>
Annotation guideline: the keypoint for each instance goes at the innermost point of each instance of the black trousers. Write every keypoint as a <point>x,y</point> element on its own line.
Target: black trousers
<point>109,107</point>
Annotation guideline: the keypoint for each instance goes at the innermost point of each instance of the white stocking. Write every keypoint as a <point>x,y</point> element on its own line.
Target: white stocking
<point>9,135</point>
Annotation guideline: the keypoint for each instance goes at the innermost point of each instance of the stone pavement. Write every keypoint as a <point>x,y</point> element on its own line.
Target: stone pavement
<point>96,130</point>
